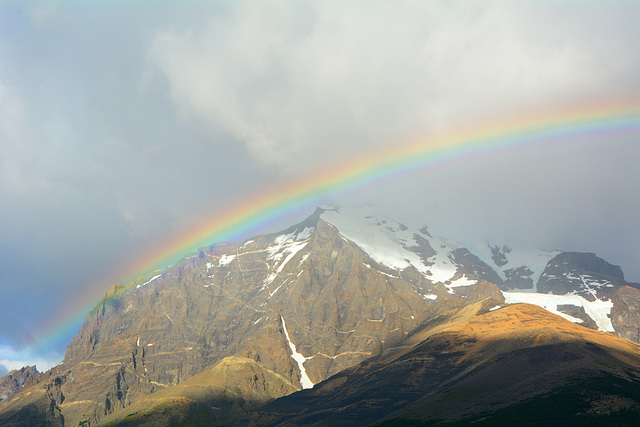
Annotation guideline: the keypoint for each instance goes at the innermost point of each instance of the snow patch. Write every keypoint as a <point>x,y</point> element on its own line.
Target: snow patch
<point>276,290</point>
<point>305,382</point>
<point>305,234</point>
<point>443,268</point>
<point>390,245</point>
<point>149,281</point>
<point>282,240</point>
<point>292,251</point>
<point>226,260</point>
<point>303,259</point>
<point>589,283</point>
<point>462,281</point>
<point>535,260</point>
<point>283,246</point>
<point>598,310</point>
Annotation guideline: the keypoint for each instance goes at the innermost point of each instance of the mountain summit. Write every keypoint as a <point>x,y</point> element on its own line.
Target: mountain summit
<point>248,322</point>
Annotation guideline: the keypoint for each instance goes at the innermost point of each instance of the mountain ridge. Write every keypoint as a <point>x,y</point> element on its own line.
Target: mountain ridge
<point>466,356</point>
<point>347,289</point>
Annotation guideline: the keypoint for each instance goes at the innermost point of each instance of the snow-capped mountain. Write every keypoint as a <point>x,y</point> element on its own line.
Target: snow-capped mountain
<point>440,260</point>
<point>307,303</point>
<point>576,286</point>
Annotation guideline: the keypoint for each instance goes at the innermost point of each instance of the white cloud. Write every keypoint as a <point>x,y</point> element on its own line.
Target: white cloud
<point>303,83</point>
<point>12,359</point>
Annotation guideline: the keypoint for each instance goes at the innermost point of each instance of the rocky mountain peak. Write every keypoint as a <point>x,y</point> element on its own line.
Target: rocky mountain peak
<point>299,306</point>
<point>11,383</point>
<point>582,273</point>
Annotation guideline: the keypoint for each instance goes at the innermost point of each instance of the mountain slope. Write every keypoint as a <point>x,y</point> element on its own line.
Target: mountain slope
<point>307,292</point>
<point>476,366</point>
<point>304,304</point>
<point>11,383</point>
<point>232,385</point>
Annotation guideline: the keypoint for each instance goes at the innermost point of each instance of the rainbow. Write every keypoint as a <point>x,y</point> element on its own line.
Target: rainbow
<point>539,130</point>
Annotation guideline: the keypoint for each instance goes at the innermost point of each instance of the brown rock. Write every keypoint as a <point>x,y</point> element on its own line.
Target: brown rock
<point>517,364</point>
<point>232,385</point>
<point>11,383</point>
<point>625,314</point>
<point>339,305</point>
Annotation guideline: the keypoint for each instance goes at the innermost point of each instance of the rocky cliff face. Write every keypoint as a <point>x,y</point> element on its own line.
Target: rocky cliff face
<point>225,389</point>
<point>472,265</point>
<point>305,304</point>
<point>625,313</point>
<point>11,383</point>
<point>585,289</point>
<point>300,306</point>
<point>584,274</point>
<point>515,365</point>
<point>37,403</point>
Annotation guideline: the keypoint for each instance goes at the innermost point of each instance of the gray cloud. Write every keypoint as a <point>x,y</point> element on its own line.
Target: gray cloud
<point>302,83</point>
<point>122,125</point>
<point>578,198</point>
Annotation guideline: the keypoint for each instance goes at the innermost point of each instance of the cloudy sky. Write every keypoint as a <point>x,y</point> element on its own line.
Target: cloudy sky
<point>123,123</point>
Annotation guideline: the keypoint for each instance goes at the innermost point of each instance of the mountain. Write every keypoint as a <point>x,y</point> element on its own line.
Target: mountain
<point>11,383</point>
<point>230,386</point>
<point>288,310</point>
<point>514,365</point>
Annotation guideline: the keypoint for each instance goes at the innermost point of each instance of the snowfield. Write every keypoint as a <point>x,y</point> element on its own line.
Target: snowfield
<point>598,310</point>
<point>287,246</point>
<point>388,243</point>
<point>533,259</point>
